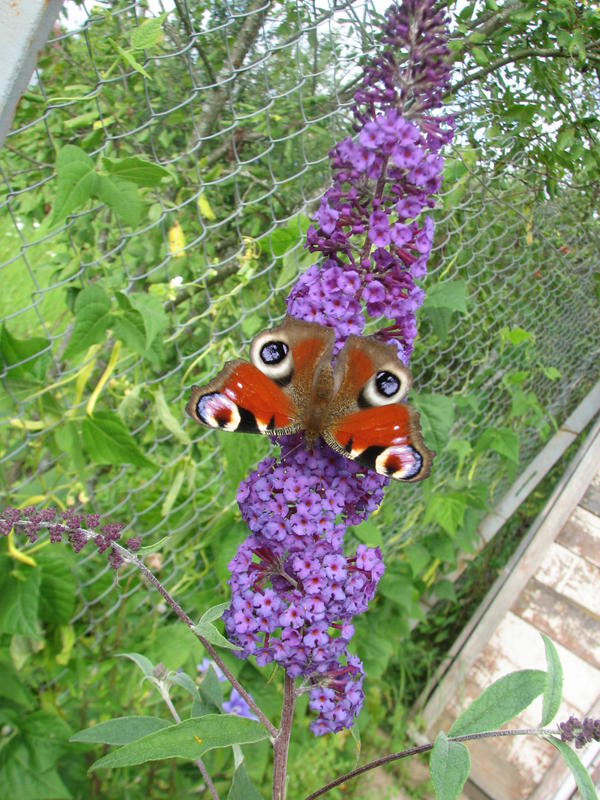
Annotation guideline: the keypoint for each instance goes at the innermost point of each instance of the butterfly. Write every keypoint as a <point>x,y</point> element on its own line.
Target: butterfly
<point>289,385</point>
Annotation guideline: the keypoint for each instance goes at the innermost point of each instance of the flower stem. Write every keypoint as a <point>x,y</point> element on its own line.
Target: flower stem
<point>172,603</point>
<point>282,740</point>
<point>424,748</point>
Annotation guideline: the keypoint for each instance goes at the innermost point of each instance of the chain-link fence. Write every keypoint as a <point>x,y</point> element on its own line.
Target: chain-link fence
<point>240,104</point>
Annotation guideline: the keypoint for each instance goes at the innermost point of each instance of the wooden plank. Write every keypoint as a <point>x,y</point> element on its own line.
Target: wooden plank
<point>591,499</point>
<point>564,621</point>
<point>572,576</point>
<point>513,578</point>
<point>515,645</point>
<point>581,535</point>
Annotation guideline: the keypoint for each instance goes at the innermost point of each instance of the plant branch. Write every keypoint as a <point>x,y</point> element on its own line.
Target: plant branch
<point>228,73</point>
<point>516,55</point>
<point>282,740</point>
<point>424,748</point>
<point>149,575</point>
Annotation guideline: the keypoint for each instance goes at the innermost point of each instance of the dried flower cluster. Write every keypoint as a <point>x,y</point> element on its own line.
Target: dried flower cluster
<point>67,526</point>
<point>581,732</point>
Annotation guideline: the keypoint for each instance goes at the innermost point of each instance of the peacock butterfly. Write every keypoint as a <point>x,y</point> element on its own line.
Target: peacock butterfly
<point>290,386</point>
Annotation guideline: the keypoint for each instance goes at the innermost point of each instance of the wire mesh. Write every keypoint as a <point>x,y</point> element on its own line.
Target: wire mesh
<point>242,104</point>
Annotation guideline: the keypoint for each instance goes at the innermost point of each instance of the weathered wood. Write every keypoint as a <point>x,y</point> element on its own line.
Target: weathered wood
<point>581,535</point>
<point>564,621</point>
<point>572,576</point>
<point>514,576</point>
<point>591,499</point>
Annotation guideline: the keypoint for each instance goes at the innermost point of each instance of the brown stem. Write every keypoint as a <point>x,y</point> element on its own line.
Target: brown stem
<point>151,578</point>
<point>424,748</point>
<point>282,740</point>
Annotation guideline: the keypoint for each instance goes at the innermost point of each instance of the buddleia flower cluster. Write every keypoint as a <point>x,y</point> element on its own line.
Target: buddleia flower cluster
<point>370,227</point>
<point>294,588</point>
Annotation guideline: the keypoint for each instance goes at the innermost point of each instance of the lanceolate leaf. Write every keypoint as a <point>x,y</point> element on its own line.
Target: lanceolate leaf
<point>121,730</point>
<point>554,683</point>
<point>449,765</point>
<point>242,788</point>
<point>189,740</point>
<point>500,702</point>
<point>581,775</point>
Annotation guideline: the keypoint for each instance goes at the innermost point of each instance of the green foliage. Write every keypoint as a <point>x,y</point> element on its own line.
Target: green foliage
<point>450,765</point>
<point>108,324</point>
<point>500,702</point>
<point>189,739</point>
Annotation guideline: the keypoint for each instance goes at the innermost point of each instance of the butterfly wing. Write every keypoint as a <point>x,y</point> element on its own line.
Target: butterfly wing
<point>271,395</point>
<point>368,421</point>
<point>241,398</point>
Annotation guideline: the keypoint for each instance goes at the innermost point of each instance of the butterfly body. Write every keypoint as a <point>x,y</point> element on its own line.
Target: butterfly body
<point>290,386</point>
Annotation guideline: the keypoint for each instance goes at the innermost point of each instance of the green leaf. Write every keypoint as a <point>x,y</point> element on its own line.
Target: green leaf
<point>13,688</point>
<point>214,612</point>
<point>502,441</point>
<point>447,509</point>
<point>449,765</point>
<point>480,56</point>
<point>68,439</point>
<point>578,43</point>
<point>122,196</point>
<point>19,590</point>
<point>143,663</point>
<point>120,730</point>
<point>579,772</point>
<point>147,34</point>
<point>451,295</point>
<point>523,16</point>
<point>369,533</point>
<point>23,357</point>
<point>500,702</point>
<point>212,635</point>
<point>516,336</point>
<point>437,417</point>
<point>93,317</point>
<point>136,170</point>
<point>210,692</point>
<point>189,739</point>
<point>551,373</point>
<point>205,208</point>
<point>398,587</point>
<point>153,314</point>
<point>241,787</point>
<point>444,589</point>
<point>128,57</point>
<point>76,181</point>
<point>554,683</point>
<point>58,587</point>
<point>173,492</point>
<point>107,441</point>
<point>166,416</point>
<point>128,326</point>
<point>29,756</point>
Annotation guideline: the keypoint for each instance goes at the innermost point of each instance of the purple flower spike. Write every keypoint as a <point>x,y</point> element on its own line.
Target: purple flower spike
<point>294,589</point>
